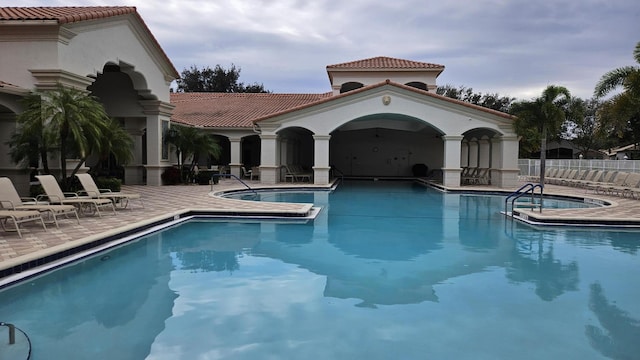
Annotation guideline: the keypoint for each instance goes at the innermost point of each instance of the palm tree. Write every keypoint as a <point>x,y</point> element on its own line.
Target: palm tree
<point>191,141</point>
<point>622,111</point>
<point>65,119</point>
<point>541,115</point>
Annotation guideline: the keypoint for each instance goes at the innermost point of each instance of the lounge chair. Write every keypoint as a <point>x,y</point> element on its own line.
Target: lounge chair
<point>583,176</point>
<point>618,180</point>
<point>18,217</point>
<point>92,190</point>
<point>631,182</point>
<point>555,177</point>
<point>297,173</point>
<point>573,174</point>
<point>10,199</point>
<point>55,195</point>
<point>605,179</point>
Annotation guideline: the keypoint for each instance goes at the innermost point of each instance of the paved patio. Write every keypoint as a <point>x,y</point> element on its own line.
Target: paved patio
<point>162,202</point>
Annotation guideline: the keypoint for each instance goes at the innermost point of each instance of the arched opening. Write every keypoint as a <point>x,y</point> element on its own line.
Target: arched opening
<point>385,145</point>
<point>297,148</point>
<point>250,155</point>
<point>476,156</point>
<point>418,85</point>
<point>115,89</point>
<point>348,86</point>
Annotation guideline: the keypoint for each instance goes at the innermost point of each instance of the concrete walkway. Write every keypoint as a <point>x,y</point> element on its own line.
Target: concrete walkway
<point>163,202</point>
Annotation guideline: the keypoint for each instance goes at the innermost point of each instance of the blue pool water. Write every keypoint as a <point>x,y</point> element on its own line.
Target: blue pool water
<point>387,271</point>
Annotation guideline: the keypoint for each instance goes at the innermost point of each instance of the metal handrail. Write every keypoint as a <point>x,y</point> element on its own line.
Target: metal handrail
<point>232,176</point>
<point>528,188</point>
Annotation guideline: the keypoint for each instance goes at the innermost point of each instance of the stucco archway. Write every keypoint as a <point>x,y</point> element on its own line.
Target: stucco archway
<point>385,145</point>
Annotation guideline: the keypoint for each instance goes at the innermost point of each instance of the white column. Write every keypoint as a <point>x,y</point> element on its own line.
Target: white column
<point>321,159</point>
<point>268,165</point>
<point>506,155</point>
<point>484,152</point>
<point>451,169</point>
<point>134,171</point>
<point>473,153</point>
<point>235,159</point>
<point>158,116</point>
<point>464,153</point>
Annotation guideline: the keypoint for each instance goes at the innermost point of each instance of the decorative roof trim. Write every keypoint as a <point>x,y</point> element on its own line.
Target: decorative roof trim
<point>393,84</point>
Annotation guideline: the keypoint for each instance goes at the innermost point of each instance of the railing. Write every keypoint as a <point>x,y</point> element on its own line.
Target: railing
<point>526,189</point>
<point>531,167</point>
<point>231,176</point>
<point>337,171</point>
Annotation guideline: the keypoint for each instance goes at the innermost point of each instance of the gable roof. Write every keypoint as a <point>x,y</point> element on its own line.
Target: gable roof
<point>72,14</point>
<point>234,110</point>
<point>385,63</point>
<point>64,15</point>
<point>242,110</point>
<point>394,84</point>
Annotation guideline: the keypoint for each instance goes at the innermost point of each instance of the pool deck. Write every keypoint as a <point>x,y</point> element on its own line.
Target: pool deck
<point>165,202</point>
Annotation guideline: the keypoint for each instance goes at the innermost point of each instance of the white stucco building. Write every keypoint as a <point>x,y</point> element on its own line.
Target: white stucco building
<point>380,117</point>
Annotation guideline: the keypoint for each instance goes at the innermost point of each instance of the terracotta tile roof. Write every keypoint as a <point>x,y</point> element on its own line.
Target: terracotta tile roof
<point>71,14</point>
<point>384,63</point>
<point>383,83</point>
<point>64,15</point>
<point>234,110</point>
<point>222,110</point>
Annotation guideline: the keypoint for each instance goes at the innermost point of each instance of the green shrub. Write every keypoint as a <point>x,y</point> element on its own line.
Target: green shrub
<point>204,177</point>
<point>111,183</point>
<point>171,176</point>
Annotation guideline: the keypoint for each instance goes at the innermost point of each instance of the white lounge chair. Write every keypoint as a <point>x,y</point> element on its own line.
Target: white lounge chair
<point>10,199</point>
<point>55,195</point>
<point>92,190</point>
<point>18,217</point>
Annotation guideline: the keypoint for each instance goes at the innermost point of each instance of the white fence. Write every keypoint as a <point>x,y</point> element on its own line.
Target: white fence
<point>531,167</point>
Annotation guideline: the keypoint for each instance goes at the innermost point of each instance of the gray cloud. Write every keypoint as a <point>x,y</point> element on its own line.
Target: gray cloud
<point>513,48</point>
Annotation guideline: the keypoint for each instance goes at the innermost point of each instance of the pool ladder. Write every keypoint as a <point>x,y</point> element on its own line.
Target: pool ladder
<point>528,189</point>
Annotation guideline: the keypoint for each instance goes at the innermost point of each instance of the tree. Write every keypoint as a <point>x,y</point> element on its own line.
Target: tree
<point>215,80</point>
<point>541,115</point>
<point>115,142</point>
<point>490,101</point>
<point>190,141</point>
<point>64,119</point>
<point>583,129</point>
<point>621,113</point>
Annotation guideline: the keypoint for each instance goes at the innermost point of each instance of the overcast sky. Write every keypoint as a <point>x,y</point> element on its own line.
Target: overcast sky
<point>510,47</point>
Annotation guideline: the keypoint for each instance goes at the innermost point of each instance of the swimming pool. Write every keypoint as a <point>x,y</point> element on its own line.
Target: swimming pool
<point>387,270</point>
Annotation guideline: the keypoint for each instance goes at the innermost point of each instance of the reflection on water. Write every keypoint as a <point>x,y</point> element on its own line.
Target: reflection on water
<point>395,265</point>
<point>621,334</point>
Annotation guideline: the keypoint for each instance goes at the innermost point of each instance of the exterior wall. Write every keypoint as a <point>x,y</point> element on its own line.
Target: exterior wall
<point>374,77</point>
<point>410,112</point>
<point>39,56</point>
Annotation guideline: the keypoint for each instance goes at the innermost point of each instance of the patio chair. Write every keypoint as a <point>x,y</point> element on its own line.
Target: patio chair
<point>299,173</point>
<point>619,180</point>
<point>254,173</point>
<point>246,174</point>
<point>10,199</point>
<point>92,190</point>
<point>18,217</point>
<point>55,195</point>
